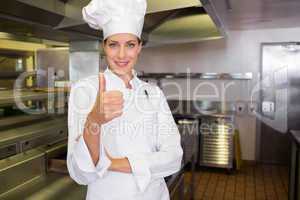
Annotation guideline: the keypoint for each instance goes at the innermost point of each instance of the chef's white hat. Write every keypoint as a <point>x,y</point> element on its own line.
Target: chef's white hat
<point>116,16</point>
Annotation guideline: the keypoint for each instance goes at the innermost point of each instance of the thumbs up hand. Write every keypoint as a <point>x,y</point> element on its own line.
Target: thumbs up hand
<point>108,105</point>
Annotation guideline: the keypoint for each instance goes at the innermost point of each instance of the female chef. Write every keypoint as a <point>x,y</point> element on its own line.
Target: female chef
<point>122,139</point>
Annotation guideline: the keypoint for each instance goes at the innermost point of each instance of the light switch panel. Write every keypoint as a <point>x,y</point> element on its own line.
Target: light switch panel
<point>268,107</point>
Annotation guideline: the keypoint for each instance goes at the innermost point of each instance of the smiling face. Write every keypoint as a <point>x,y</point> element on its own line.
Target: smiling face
<point>122,51</point>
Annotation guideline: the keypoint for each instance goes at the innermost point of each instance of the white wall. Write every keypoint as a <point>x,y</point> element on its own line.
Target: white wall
<point>239,53</point>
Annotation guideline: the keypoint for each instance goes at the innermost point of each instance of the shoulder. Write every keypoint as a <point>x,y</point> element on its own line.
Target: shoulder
<point>90,80</point>
<point>84,86</point>
<point>83,93</point>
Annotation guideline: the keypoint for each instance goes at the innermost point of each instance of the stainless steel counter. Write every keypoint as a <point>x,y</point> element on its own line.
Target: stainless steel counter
<point>31,166</point>
<point>40,129</point>
<point>20,139</point>
<point>201,115</point>
<point>296,136</point>
<point>53,186</point>
<point>13,121</point>
<point>8,97</point>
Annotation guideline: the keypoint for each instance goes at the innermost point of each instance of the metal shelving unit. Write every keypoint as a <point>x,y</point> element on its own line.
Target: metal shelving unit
<point>217,145</point>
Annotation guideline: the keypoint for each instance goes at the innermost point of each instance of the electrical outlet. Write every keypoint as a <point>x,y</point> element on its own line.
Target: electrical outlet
<point>240,107</point>
<point>252,108</point>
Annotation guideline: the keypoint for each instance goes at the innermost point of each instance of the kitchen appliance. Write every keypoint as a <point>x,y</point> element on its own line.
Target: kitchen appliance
<point>279,136</point>
<point>215,144</point>
<point>29,143</point>
<point>279,100</point>
<point>189,130</point>
<point>216,141</point>
<point>176,185</point>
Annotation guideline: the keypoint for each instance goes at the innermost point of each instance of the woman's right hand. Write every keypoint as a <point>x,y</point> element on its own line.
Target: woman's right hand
<point>108,105</point>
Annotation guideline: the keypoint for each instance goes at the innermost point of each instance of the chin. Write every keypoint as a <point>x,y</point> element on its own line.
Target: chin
<point>122,70</point>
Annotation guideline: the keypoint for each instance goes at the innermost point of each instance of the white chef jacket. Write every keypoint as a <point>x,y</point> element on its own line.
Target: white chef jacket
<point>145,133</point>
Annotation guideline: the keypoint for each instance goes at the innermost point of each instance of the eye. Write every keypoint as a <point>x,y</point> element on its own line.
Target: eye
<point>112,45</point>
<point>131,45</point>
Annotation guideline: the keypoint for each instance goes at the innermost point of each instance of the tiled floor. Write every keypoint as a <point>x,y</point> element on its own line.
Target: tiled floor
<point>252,182</point>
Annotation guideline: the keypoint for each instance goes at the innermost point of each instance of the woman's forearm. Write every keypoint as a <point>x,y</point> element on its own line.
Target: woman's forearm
<point>120,165</point>
<point>92,139</point>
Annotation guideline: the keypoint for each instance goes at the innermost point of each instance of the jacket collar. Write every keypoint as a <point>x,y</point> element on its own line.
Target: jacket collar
<point>118,83</point>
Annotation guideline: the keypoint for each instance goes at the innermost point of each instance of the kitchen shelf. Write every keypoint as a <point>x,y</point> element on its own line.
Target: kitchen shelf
<point>200,76</point>
<point>14,75</point>
<point>14,53</point>
<point>20,120</point>
<point>35,130</point>
<point>7,97</point>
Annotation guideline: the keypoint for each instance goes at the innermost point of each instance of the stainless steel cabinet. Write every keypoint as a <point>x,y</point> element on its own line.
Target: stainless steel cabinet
<point>189,131</point>
<point>176,186</point>
<point>294,177</point>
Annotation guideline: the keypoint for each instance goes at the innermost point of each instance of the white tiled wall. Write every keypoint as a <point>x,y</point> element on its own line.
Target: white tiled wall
<point>239,53</point>
<point>213,90</point>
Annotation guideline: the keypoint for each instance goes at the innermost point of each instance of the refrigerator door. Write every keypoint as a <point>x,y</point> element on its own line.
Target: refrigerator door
<point>280,94</point>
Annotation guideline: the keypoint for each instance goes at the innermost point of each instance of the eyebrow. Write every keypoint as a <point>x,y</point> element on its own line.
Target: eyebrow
<point>126,42</point>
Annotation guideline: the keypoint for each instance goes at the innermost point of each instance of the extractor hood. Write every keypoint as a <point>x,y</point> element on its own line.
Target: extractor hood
<point>167,21</point>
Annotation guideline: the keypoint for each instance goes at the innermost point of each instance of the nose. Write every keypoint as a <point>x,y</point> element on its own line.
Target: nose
<point>122,52</point>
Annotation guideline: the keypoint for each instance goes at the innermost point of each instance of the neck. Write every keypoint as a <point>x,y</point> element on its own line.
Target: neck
<point>126,79</point>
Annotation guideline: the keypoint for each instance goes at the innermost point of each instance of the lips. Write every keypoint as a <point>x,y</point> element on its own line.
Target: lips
<point>122,63</point>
